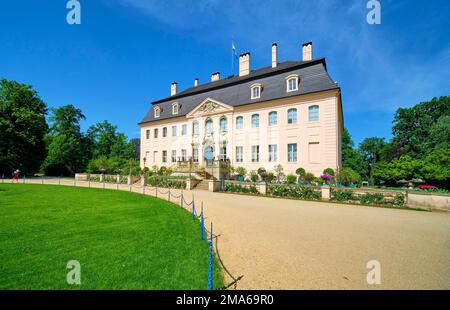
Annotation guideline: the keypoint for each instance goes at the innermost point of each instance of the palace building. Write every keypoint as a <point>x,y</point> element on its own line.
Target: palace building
<point>288,114</point>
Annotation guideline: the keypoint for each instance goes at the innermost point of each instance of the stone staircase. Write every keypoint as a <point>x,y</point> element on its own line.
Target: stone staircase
<point>203,185</point>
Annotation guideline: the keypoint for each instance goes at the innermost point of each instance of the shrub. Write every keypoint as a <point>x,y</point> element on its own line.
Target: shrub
<point>399,200</point>
<point>294,191</point>
<point>161,181</point>
<point>372,199</point>
<point>241,171</point>
<point>270,177</point>
<point>329,171</point>
<point>291,179</point>
<point>253,176</point>
<point>326,177</point>
<point>237,188</point>
<point>300,172</point>
<point>309,177</point>
<point>347,176</point>
<point>342,195</point>
<point>261,170</point>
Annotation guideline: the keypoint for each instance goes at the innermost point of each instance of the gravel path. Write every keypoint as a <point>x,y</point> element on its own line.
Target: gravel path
<point>291,244</point>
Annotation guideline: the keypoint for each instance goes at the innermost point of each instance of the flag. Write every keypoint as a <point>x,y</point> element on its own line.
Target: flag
<point>233,48</point>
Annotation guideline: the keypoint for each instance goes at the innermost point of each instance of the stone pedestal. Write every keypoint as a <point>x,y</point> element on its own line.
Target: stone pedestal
<point>189,184</point>
<point>129,180</point>
<point>143,180</point>
<point>102,177</point>
<point>262,188</point>
<point>213,185</point>
<point>326,193</point>
<point>118,178</point>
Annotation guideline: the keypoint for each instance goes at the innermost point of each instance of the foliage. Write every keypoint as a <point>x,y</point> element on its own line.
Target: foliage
<point>399,200</point>
<point>347,176</point>
<point>278,171</point>
<point>253,176</point>
<point>326,177</point>
<point>294,191</point>
<point>22,128</point>
<point>241,171</point>
<point>329,171</point>
<point>300,172</point>
<point>352,158</point>
<point>261,170</point>
<point>238,188</point>
<point>291,179</point>
<point>372,199</point>
<point>162,181</point>
<point>270,177</point>
<point>342,195</point>
<point>309,177</point>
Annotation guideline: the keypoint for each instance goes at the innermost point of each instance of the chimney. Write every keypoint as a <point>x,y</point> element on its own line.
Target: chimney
<point>307,51</point>
<point>173,89</point>
<point>195,82</point>
<point>215,77</point>
<point>274,55</point>
<point>244,64</point>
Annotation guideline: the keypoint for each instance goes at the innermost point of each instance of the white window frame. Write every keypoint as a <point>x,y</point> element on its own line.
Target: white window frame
<point>157,112</point>
<point>174,156</point>
<point>147,134</point>
<point>257,125</point>
<point>276,118</point>
<point>296,116</point>
<point>184,129</point>
<point>239,125</point>
<point>294,157</point>
<point>309,113</point>
<point>224,128</point>
<point>183,155</point>
<point>195,128</point>
<point>209,132</point>
<point>253,88</point>
<point>175,108</point>
<point>195,154</point>
<point>174,131</point>
<point>164,156</point>
<point>292,77</point>
<point>255,153</point>
<point>239,154</point>
<point>164,132</point>
<point>273,153</point>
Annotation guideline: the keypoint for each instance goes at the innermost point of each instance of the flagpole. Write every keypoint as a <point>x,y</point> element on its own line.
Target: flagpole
<point>232,59</point>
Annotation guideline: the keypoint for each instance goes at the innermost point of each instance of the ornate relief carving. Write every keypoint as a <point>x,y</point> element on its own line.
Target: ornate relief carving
<point>209,107</point>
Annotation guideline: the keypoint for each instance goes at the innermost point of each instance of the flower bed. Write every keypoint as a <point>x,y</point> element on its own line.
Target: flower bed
<point>161,181</point>
<point>238,188</point>
<point>294,191</point>
<point>368,198</point>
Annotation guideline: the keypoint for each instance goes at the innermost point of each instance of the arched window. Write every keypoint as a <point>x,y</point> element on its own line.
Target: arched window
<point>273,118</point>
<point>292,83</point>
<point>223,124</point>
<point>239,122</point>
<point>157,112</point>
<point>255,120</point>
<point>292,116</point>
<point>195,128</point>
<point>209,126</point>
<point>255,91</point>
<point>313,113</point>
<point>175,108</point>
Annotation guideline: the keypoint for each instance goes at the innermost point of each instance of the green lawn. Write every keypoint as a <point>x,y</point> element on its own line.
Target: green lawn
<point>122,240</point>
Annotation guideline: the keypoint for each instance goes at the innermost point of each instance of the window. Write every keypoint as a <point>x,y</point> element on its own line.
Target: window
<point>255,153</point>
<point>255,121</point>
<point>174,156</point>
<point>175,108</point>
<point>195,154</point>
<point>273,118</point>
<point>292,116</point>
<point>239,154</point>
<point>223,153</point>
<point>174,131</point>
<point>155,133</point>
<point>157,112</point>
<point>195,128</point>
<point>273,154</point>
<point>292,152</point>
<point>239,122</point>
<point>183,129</point>
<point>183,155</point>
<point>314,152</point>
<point>223,125</point>
<point>147,134</point>
<point>255,91</point>
<point>164,132</point>
<point>164,156</point>
<point>209,126</point>
<point>313,114</point>
<point>292,83</point>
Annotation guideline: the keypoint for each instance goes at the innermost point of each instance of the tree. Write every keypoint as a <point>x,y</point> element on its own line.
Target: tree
<point>436,167</point>
<point>403,168</point>
<point>371,150</point>
<point>347,176</point>
<point>412,126</point>
<point>67,152</point>
<point>22,128</point>
<point>439,137</point>
<point>351,158</point>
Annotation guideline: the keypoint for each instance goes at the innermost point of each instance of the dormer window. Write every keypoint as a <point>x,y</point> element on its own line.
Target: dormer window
<point>292,83</point>
<point>255,91</point>
<point>175,108</point>
<point>157,112</point>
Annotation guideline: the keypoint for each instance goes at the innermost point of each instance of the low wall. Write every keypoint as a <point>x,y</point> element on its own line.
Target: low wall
<point>428,201</point>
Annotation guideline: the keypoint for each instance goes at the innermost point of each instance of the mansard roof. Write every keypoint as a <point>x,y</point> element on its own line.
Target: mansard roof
<point>235,90</point>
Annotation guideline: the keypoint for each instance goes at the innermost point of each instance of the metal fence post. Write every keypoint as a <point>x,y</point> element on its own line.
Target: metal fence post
<point>156,191</point>
<point>202,225</point>
<point>59,180</point>
<point>169,195</point>
<point>210,269</point>
<point>42,179</point>
<point>143,190</point>
<point>181,199</point>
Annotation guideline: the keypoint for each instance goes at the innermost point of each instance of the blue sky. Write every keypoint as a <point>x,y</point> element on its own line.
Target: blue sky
<point>126,53</point>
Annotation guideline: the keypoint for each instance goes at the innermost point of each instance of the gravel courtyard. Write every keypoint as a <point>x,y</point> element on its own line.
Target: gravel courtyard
<point>292,244</point>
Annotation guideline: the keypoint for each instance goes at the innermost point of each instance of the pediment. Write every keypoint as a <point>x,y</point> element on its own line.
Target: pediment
<point>208,107</point>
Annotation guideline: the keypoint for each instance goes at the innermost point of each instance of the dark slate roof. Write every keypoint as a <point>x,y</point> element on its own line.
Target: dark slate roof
<point>235,90</point>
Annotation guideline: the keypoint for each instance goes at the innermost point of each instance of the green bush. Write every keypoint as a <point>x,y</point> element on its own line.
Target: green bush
<point>399,200</point>
<point>254,176</point>
<point>294,191</point>
<point>329,171</point>
<point>347,176</point>
<point>238,188</point>
<point>309,177</point>
<point>342,195</point>
<point>372,199</point>
<point>291,179</point>
<point>300,172</point>
<point>241,171</point>
<point>270,177</point>
<point>162,181</point>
